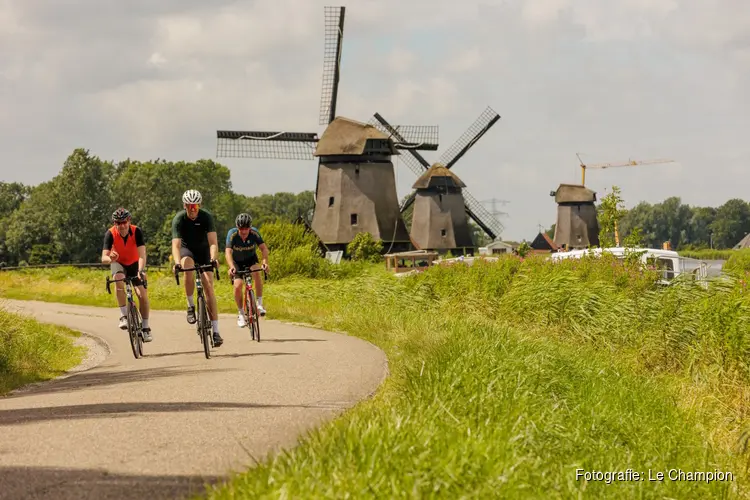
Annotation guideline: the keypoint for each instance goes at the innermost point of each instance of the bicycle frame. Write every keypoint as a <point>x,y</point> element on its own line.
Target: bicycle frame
<point>134,317</point>
<point>249,305</point>
<point>202,325</point>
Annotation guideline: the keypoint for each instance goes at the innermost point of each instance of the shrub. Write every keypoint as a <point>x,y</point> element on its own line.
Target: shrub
<point>364,247</point>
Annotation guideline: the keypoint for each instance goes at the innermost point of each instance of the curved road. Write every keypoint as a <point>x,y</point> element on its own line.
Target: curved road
<point>165,425</point>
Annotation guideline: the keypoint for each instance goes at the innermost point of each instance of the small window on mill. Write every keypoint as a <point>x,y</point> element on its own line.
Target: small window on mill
<point>354,219</point>
<point>330,201</point>
<point>443,232</point>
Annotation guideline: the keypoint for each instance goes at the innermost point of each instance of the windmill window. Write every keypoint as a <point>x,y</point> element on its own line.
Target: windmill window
<point>441,198</point>
<point>356,170</point>
<point>354,219</point>
<point>443,232</point>
<point>330,201</point>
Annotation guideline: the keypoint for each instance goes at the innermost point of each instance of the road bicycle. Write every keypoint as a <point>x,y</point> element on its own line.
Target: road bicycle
<point>202,325</point>
<point>249,303</point>
<point>135,324</point>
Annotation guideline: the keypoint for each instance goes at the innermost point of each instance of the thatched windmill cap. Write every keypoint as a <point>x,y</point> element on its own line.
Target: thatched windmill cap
<point>438,175</point>
<point>344,136</point>
<point>573,193</point>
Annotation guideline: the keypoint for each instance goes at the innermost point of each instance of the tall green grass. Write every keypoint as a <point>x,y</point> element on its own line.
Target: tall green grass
<point>31,351</point>
<point>505,378</point>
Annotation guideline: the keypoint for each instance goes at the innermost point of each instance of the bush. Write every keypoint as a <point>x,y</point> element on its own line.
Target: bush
<point>364,247</point>
<point>738,263</point>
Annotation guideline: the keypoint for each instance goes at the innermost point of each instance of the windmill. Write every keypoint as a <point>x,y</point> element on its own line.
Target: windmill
<point>356,187</point>
<point>441,202</point>
<point>577,224</point>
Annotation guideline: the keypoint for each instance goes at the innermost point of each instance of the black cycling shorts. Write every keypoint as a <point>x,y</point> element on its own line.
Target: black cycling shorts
<point>201,256</point>
<point>246,264</point>
<point>130,271</point>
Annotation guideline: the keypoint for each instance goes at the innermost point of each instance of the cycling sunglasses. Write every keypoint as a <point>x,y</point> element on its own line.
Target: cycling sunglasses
<point>193,206</point>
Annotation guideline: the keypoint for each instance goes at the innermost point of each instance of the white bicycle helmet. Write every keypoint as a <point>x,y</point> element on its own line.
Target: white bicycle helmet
<point>192,196</point>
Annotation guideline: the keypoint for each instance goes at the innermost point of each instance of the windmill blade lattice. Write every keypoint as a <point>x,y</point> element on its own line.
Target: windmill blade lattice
<point>413,159</point>
<point>482,216</point>
<point>272,145</point>
<point>477,129</point>
<point>334,37</point>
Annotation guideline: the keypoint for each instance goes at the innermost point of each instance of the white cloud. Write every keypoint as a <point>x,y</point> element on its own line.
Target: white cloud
<point>399,60</point>
<point>616,79</point>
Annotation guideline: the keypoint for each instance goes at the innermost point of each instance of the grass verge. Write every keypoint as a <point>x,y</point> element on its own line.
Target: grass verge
<point>31,351</point>
<point>505,379</point>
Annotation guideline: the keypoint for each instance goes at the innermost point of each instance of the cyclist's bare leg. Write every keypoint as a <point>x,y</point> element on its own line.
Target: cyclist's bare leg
<point>187,263</point>
<point>239,289</point>
<point>120,290</point>
<point>121,300</point>
<point>143,307</point>
<point>258,282</point>
<point>143,303</point>
<point>208,289</point>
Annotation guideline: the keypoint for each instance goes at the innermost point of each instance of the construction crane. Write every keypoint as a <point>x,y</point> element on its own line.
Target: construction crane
<point>629,163</point>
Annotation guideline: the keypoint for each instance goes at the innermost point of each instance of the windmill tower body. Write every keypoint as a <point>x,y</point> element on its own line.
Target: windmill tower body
<point>577,226</point>
<point>439,220</point>
<point>356,189</point>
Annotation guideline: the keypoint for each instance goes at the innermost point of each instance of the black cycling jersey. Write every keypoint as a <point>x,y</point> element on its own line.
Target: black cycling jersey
<point>193,233</point>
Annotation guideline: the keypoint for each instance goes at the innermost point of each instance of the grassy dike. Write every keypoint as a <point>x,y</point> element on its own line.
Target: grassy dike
<point>31,351</point>
<point>505,379</point>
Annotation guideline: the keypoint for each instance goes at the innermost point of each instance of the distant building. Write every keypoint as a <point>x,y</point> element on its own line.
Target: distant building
<point>744,243</point>
<point>543,244</point>
<point>499,247</point>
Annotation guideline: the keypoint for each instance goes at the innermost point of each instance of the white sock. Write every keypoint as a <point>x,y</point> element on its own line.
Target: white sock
<point>124,310</point>
<point>190,301</point>
<point>241,312</point>
<point>145,323</point>
<point>260,301</point>
<point>215,325</point>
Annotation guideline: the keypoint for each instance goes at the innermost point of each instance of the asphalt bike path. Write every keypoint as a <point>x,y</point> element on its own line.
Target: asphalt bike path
<point>164,425</point>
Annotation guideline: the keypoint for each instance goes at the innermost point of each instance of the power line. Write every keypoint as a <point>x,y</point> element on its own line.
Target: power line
<point>494,201</point>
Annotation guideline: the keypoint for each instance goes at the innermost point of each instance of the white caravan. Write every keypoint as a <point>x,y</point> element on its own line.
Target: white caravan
<point>669,262</point>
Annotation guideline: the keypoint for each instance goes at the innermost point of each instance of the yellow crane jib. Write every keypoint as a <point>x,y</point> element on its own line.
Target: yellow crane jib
<point>629,163</point>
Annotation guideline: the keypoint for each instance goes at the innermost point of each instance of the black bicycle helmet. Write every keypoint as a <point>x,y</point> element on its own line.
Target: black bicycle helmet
<point>120,215</point>
<point>243,220</point>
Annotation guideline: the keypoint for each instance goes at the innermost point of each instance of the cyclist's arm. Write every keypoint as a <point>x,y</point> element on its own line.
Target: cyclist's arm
<point>140,242</point>
<point>228,256</point>
<point>176,240</point>
<point>108,242</point>
<point>214,245</point>
<point>264,252</point>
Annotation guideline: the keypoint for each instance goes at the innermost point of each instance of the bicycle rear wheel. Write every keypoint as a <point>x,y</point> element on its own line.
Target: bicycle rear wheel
<point>136,344</point>
<point>255,321</point>
<point>204,326</point>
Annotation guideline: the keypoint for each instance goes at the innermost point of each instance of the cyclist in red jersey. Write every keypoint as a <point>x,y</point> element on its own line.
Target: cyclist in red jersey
<point>125,252</point>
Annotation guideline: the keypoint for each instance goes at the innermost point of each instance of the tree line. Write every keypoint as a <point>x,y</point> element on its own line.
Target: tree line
<point>64,219</point>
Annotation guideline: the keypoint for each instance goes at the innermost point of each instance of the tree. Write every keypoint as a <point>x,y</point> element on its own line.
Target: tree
<point>731,224</point>
<point>611,210</point>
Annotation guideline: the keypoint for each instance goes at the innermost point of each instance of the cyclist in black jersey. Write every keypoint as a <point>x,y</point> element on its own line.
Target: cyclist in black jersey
<point>194,242</point>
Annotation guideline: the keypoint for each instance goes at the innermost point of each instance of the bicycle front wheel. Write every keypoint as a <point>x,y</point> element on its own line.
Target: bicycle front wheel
<point>255,318</point>
<point>133,327</point>
<point>205,326</point>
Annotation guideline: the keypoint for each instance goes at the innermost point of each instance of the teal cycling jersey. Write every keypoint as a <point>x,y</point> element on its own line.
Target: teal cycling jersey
<point>243,250</point>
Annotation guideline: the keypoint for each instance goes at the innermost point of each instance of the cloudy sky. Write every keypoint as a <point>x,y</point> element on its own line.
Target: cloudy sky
<point>613,80</point>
